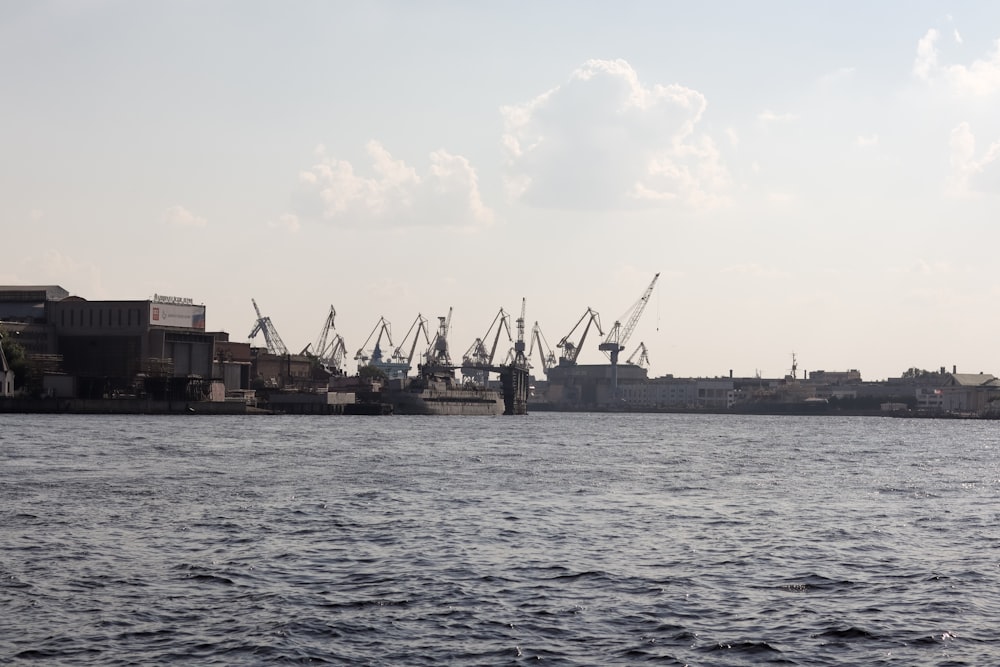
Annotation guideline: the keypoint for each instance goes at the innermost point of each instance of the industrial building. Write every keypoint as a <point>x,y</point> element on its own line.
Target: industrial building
<point>91,349</point>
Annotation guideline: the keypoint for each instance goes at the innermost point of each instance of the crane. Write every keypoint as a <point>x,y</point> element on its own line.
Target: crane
<point>544,351</point>
<point>383,328</point>
<point>271,338</point>
<point>329,351</point>
<point>615,341</point>
<point>572,350</point>
<point>643,361</point>
<point>335,360</point>
<point>392,368</point>
<point>477,360</point>
<point>520,358</point>
<point>437,351</point>
<point>419,325</point>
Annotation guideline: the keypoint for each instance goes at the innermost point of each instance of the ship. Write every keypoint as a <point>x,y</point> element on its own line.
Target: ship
<point>436,390</point>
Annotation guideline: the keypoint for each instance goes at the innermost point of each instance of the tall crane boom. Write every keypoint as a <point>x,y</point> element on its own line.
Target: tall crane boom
<point>570,349</point>
<point>329,351</point>
<point>615,341</point>
<point>544,351</point>
<point>271,338</point>
<point>382,328</point>
<point>643,361</point>
<point>477,354</point>
<point>419,325</point>
<point>323,340</point>
<point>520,358</point>
<point>619,334</point>
<point>437,353</point>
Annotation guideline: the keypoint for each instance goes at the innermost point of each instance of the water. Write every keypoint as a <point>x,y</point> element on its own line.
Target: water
<point>564,539</point>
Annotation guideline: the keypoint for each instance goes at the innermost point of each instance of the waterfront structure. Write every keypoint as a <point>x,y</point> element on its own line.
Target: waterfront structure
<point>852,376</point>
<point>969,393</point>
<point>589,386</point>
<point>680,393</point>
<point>233,363</point>
<point>6,375</point>
<point>91,349</point>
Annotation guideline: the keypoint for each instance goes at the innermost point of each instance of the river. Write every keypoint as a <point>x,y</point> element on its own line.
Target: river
<point>569,539</point>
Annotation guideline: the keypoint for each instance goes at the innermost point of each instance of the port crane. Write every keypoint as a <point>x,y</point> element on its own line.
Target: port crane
<point>477,360</point>
<point>544,351</point>
<point>437,352</point>
<point>382,328</point>
<point>643,361</point>
<point>520,359</point>
<point>619,334</point>
<point>419,325</point>
<point>329,351</point>
<point>388,365</point>
<point>271,338</point>
<point>570,349</point>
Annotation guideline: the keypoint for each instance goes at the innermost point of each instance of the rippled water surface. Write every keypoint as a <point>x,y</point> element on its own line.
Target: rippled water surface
<point>570,539</point>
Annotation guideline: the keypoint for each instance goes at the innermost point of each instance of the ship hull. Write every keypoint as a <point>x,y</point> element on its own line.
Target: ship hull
<point>481,402</point>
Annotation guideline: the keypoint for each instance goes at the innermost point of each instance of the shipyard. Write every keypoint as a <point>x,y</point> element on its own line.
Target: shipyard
<point>64,353</point>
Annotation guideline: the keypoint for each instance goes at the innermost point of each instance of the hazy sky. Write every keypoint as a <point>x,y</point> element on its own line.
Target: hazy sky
<point>811,177</point>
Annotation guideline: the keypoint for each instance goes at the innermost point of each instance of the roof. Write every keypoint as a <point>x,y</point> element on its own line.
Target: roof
<point>973,380</point>
<point>32,292</point>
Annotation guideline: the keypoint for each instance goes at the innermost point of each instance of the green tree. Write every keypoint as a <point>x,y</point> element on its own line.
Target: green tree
<point>17,359</point>
<point>372,372</point>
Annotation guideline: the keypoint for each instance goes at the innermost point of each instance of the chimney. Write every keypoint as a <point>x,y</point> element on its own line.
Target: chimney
<point>954,369</point>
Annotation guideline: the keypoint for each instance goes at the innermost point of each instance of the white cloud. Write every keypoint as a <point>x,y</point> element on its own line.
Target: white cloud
<point>926,60</point>
<point>53,267</point>
<point>395,194</point>
<point>771,117</point>
<point>604,140</point>
<point>867,142</point>
<point>981,77</point>
<point>781,198</point>
<point>734,137</point>
<point>921,269</point>
<point>181,217</point>
<point>839,75</point>
<point>289,222</point>
<point>969,173</point>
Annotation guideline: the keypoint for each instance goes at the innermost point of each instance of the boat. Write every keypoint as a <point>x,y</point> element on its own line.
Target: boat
<point>435,391</point>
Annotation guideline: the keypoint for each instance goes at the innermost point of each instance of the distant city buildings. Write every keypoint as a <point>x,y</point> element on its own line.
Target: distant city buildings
<point>160,347</point>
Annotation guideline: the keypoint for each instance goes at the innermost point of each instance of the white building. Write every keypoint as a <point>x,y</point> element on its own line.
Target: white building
<point>973,393</point>
<point>681,393</point>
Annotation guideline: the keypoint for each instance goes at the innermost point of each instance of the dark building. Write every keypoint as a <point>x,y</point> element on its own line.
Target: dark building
<point>111,346</point>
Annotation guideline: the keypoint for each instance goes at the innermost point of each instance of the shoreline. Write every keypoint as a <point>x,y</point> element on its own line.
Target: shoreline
<point>142,406</point>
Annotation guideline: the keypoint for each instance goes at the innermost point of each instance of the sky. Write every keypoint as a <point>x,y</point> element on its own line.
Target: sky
<point>811,178</point>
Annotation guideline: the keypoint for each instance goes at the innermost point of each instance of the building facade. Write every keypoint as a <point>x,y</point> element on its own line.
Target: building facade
<point>105,348</point>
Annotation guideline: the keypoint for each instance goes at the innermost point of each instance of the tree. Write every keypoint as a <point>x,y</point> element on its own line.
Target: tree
<point>17,359</point>
<point>372,373</point>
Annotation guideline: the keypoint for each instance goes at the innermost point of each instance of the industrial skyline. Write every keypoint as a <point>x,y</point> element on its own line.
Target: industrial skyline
<point>816,179</point>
